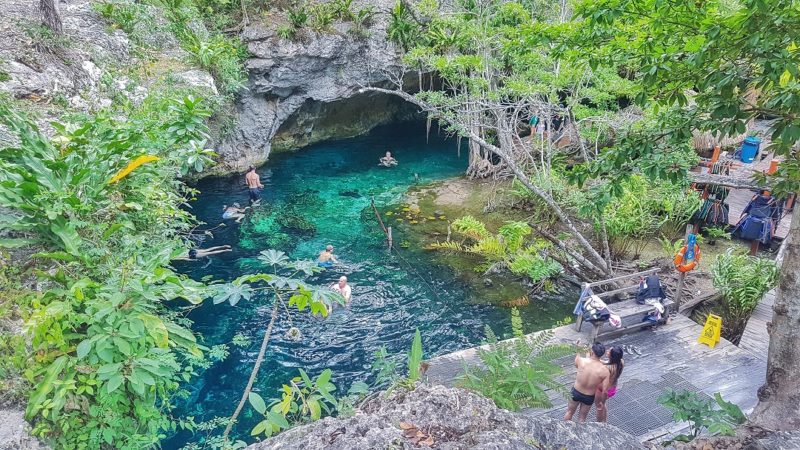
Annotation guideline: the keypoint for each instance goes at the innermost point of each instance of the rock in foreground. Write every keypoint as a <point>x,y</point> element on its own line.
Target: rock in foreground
<point>447,419</point>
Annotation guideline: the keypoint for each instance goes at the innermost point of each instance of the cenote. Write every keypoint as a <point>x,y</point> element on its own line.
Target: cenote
<point>317,196</point>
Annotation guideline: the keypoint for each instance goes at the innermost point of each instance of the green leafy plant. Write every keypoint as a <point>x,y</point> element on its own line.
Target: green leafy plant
<point>742,280</point>
<point>505,250</point>
<point>515,374</point>
<point>715,233</point>
<point>124,16</point>
<point>717,417</point>
<point>220,55</point>
<point>286,32</point>
<point>321,16</point>
<point>362,19</point>
<point>298,16</point>
<point>101,333</point>
<point>670,248</point>
<point>415,358</point>
<point>302,400</point>
<point>384,368</point>
<point>401,27</point>
<point>343,9</point>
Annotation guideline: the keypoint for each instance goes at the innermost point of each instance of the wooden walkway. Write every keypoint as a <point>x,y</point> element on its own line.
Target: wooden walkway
<point>755,338</point>
<point>659,360</point>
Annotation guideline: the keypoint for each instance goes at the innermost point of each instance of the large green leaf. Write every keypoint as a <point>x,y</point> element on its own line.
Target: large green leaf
<point>257,402</point>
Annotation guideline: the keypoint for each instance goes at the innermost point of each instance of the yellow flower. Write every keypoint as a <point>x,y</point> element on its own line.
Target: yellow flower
<point>144,159</point>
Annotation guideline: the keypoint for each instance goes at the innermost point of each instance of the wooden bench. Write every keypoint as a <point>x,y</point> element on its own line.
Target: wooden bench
<point>631,314</point>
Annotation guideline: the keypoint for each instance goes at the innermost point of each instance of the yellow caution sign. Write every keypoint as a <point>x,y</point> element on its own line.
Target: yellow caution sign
<point>711,331</point>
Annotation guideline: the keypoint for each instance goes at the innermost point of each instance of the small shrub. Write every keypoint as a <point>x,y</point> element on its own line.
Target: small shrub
<point>124,16</point>
<point>342,9</point>
<point>321,17</point>
<point>742,280</point>
<point>516,374</point>
<point>4,76</point>
<point>298,16</point>
<point>286,32</point>
<point>362,19</point>
<point>702,414</point>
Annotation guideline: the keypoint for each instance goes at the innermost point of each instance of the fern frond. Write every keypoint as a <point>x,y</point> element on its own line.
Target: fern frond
<point>446,245</point>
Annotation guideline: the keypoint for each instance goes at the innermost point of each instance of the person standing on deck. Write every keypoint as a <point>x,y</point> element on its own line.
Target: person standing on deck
<point>591,376</point>
<point>254,185</point>
<point>614,365</point>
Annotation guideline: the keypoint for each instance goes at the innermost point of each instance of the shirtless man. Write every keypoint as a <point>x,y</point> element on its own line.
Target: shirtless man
<point>388,160</point>
<point>592,374</point>
<point>326,258</point>
<point>253,184</point>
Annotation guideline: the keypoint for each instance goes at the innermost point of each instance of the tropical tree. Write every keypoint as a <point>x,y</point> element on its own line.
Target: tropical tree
<point>700,62</point>
<point>499,68</point>
<point>51,18</point>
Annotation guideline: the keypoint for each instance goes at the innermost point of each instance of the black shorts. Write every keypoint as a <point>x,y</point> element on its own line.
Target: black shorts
<point>255,194</point>
<point>580,397</point>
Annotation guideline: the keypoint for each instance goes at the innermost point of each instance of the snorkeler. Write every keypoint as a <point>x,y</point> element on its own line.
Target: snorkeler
<point>195,254</point>
<point>234,212</point>
<point>326,258</point>
<point>388,160</point>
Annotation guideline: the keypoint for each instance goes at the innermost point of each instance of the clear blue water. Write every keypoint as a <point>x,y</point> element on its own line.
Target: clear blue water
<point>329,185</point>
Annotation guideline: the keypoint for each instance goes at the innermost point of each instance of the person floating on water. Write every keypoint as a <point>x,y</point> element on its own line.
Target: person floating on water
<point>234,212</point>
<point>388,160</point>
<point>254,185</point>
<point>196,253</point>
<point>326,258</point>
<point>343,288</point>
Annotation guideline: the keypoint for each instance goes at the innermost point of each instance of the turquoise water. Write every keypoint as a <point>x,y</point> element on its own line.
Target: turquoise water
<point>319,196</point>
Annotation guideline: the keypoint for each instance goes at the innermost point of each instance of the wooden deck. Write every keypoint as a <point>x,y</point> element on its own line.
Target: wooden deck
<point>755,338</point>
<point>659,360</point>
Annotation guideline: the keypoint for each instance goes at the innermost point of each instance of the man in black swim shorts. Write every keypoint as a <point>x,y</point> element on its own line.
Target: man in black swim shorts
<point>591,374</point>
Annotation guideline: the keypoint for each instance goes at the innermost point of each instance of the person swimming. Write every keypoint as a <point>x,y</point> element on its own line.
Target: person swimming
<point>194,253</point>
<point>388,160</point>
<point>234,212</point>
<point>343,288</point>
<point>326,258</point>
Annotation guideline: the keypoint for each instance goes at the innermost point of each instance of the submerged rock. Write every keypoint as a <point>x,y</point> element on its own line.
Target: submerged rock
<point>447,419</point>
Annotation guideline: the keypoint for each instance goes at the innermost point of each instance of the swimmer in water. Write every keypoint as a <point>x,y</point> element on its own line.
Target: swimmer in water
<point>194,254</point>
<point>326,258</point>
<point>388,160</point>
<point>343,288</point>
<point>234,212</point>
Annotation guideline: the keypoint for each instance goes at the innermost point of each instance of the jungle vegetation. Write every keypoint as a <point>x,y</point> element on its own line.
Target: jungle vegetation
<point>620,85</point>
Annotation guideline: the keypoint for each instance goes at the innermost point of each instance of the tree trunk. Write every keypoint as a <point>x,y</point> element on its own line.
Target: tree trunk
<point>254,372</point>
<point>50,15</point>
<point>779,397</point>
<point>592,254</point>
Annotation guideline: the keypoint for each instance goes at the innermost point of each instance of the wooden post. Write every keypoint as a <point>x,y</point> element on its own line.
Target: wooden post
<point>754,247</point>
<point>389,236</point>
<point>714,156</point>
<point>682,276</point>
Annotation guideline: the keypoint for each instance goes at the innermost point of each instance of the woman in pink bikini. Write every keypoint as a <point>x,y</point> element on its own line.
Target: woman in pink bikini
<point>615,365</point>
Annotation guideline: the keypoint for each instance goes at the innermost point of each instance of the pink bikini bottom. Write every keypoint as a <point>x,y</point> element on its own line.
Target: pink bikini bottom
<point>612,391</point>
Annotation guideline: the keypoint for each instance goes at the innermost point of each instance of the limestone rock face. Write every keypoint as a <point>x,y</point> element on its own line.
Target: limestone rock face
<point>453,419</point>
<point>306,90</point>
<point>83,69</point>
<point>14,432</point>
